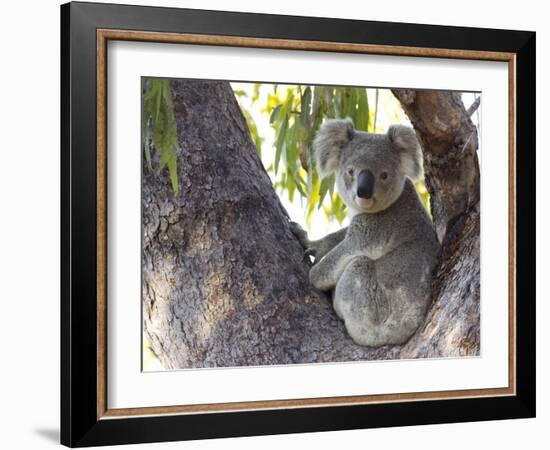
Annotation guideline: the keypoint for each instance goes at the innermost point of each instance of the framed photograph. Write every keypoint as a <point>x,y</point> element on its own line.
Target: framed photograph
<point>277,224</point>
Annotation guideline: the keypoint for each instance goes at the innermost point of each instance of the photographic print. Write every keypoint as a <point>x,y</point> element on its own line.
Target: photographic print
<point>298,224</point>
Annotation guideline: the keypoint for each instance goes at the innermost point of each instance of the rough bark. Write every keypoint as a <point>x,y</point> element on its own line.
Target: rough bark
<point>450,142</point>
<point>224,279</point>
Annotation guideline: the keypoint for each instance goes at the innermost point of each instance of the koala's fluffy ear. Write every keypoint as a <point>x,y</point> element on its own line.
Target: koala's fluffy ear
<point>331,138</point>
<point>405,142</point>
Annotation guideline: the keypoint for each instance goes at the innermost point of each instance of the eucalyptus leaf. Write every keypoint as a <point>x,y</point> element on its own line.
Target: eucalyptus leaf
<point>158,115</point>
<point>305,104</point>
<point>275,114</point>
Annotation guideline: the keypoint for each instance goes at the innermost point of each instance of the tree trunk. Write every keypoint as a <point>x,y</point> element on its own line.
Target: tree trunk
<point>451,168</point>
<point>224,280</point>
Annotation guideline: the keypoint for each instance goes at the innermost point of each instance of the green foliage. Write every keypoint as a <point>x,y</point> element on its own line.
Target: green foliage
<point>159,127</point>
<point>424,195</point>
<point>253,129</point>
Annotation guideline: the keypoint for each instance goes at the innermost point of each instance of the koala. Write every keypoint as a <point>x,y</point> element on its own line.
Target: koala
<point>379,269</point>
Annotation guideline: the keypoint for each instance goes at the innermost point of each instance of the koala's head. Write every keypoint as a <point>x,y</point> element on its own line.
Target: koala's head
<point>370,168</point>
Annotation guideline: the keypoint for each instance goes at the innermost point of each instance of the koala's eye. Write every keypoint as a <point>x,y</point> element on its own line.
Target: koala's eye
<point>350,171</point>
<point>384,175</point>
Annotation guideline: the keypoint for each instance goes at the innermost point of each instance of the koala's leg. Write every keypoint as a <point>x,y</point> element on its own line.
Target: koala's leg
<point>361,303</point>
<point>405,276</point>
<point>325,274</point>
<point>385,301</point>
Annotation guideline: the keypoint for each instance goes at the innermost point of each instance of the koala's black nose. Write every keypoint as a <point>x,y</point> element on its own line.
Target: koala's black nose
<point>365,184</point>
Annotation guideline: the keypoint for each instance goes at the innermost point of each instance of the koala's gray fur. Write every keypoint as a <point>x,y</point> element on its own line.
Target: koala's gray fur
<point>380,267</point>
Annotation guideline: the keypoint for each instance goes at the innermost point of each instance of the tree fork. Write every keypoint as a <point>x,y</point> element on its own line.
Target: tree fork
<point>224,280</point>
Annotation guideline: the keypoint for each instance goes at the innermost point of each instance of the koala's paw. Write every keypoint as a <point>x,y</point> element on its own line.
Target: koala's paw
<point>300,233</point>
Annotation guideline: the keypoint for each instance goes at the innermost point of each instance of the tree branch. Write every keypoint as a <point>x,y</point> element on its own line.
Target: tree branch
<point>474,106</point>
<point>449,142</point>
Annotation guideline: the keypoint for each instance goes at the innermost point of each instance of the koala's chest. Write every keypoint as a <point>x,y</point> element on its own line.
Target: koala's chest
<point>374,237</point>
<point>375,226</point>
<point>378,249</point>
